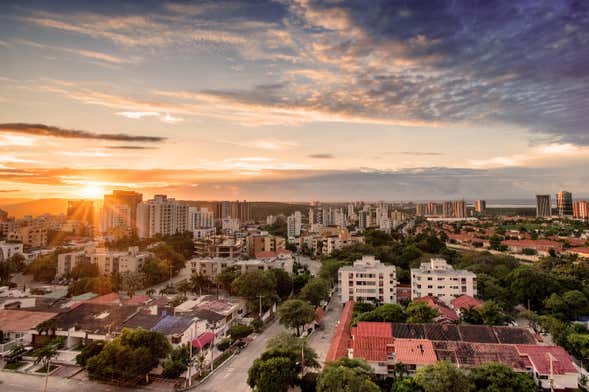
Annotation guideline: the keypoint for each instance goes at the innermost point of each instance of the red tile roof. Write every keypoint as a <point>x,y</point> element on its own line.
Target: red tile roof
<point>370,328</point>
<point>534,244</point>
<point>341,340</point>
<point>372,348</point>
<point>111,298</point>
<point>445,312</point>
<point>465,302</point>
<point>22,321</point>
<point>540,358</point>
<point>414,352</point>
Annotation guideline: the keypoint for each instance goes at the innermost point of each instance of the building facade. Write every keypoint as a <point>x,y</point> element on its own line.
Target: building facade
<point>543,206</point>
<point>564,203</point>
<point>437,278</point>
<point>368,280</point>
<point>161,216</point>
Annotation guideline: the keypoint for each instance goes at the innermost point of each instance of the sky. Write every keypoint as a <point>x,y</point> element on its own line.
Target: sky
<point>293,100</point>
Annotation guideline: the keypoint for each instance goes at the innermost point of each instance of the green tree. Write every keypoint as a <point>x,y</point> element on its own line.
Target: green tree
<point>299,281</point>
<point>531,285</point>
<point>177,362</point>
<point>43,268</point>
<point>576,303</point>
<point>226,277</point>
<point>276,374</point>
<point>346,375</point>
<point>252,285</point>
<point>492,314</point>
<point>292,344</point>
<point>420,312</point>
<point>315,291</point>
<point>471,315</point>
<point>84,270</point>
<point>494,377</point>
<point>129,357</point>
<point>92,349</point>
<point>198,282</point>
<point>132,282</point>
<point>295,313</point>
<point>283,282</point>
<point>239,331</point>
<point>442,377</point>
<point>329,268</point>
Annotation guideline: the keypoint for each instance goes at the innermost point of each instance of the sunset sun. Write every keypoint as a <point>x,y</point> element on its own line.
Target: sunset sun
<point>92,191</point>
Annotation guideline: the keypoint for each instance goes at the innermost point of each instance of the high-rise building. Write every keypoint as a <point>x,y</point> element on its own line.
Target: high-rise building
<point>433,208</point>
<point>480,206</point>
<point>421,209</point>
<point>162,216</point>
<point>447,209</point>
<point>564,203</point>
<point>200,218</point>
<point>119,210</point>
<point>543,206</point>
<point>233,209</point>
<point>459,209</point>
<point>580,209</point>
<point>362,219</point>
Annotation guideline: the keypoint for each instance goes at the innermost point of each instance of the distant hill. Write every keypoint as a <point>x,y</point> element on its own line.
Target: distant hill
<point>33,207</point>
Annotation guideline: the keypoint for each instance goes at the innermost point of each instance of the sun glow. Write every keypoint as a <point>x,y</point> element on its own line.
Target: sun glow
<point>92,191</point>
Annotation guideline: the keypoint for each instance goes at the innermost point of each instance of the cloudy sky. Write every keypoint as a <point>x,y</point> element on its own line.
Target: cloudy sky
<point>294,99</point>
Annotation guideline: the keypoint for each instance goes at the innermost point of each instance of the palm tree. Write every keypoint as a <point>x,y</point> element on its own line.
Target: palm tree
<point>150,291</point>
<point>200,362</point>
<point>44,356</point>
<point>198,282</point>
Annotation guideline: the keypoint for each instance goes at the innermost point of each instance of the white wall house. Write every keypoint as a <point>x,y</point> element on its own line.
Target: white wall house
<point>368,280</point>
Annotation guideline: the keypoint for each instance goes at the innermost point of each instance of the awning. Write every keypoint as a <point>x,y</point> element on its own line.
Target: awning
<point>203,340</point>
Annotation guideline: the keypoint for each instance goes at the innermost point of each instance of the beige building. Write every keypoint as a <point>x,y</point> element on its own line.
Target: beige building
<point>438,279</point>
<point>264,243</point>
<point>34,235</point>
<point>161,216</point>
<point>108,261</point>
<point>213,266</point>
<point>368,280</point>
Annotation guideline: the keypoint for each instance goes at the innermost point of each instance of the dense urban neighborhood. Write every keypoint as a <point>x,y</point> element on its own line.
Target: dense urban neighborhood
<point>167,294</point>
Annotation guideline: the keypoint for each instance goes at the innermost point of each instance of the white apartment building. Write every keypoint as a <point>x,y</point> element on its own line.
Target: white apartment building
<point>294,224</point>
<point>162,216</point>
<point>368,280</point>
<point>200,218</point>
<point>438,279</point>
<point>9,249</point>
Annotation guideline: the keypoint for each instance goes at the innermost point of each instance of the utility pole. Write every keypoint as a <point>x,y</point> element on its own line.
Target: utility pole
<point>213,346</point>
<point>260,313</point>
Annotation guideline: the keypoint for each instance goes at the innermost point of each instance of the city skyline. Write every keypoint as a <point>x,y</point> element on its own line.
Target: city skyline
<point>293,100</point>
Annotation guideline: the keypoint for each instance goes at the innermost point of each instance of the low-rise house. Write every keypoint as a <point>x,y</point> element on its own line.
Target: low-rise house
<point>108,261</point>
<point>214,266</point>
<point>551,366</point>
<point>543,247</point>
<point>19,326</point>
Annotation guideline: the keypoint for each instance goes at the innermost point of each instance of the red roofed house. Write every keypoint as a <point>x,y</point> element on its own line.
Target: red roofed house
<point>541,246</point>
<point>580,251</point>
<point>340,341</point>
<point>465,302</point>
<point>446,314</point>
<point>550,364</point>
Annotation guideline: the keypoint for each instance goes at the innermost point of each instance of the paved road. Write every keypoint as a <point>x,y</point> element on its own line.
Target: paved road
<point>233,375</point>
<point>313,265</point>
<point>18,382</point>
<point>184,273</point>
<point>321,339</point>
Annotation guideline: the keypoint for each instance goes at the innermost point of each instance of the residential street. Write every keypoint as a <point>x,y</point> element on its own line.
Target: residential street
<point>233,375</point>
<point>321,338</point>
<point>18,382</point>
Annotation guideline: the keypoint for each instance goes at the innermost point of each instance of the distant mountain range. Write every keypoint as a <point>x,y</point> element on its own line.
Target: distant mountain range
<point>22,207</point>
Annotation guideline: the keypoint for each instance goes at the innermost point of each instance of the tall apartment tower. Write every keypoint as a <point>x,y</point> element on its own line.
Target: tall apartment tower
<point>543,206</point>
<point>162,216</point>
<point>459,207</point>
<point>564,203</point>
<point>580,210</point>
<point>480,206</point>
<point>119,210</point>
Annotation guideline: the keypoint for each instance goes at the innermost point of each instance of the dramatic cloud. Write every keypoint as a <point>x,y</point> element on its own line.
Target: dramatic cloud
<point>321,156</point>
<point>46,130</point>
<point>130,148</point>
